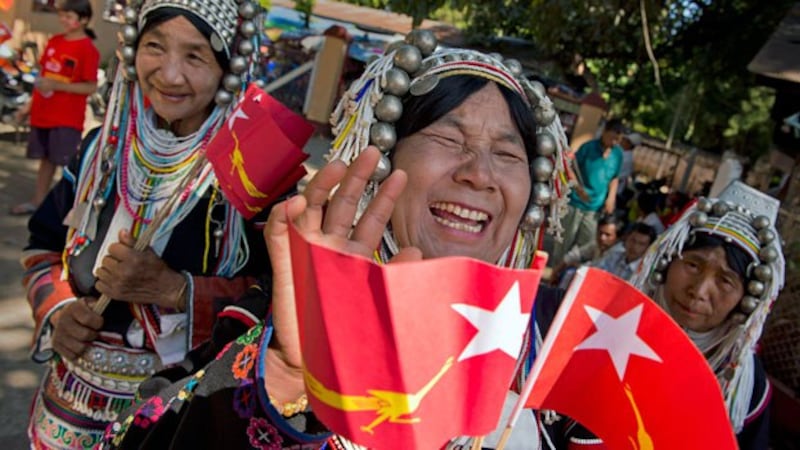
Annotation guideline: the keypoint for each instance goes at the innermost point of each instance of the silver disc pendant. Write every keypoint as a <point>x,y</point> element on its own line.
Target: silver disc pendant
<point>424,86</point>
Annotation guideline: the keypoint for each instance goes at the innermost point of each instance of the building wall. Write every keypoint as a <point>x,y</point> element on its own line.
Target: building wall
<point>27,25</point>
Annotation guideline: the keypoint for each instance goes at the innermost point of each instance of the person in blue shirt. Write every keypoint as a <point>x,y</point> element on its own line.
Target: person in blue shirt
<point>597,163</point>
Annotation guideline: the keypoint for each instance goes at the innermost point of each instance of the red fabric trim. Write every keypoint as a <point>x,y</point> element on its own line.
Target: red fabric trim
<point>765,402</point>
<point>579,446</point>
<point>234,313</point>
<point>36,266</point>
<point>209,291</point>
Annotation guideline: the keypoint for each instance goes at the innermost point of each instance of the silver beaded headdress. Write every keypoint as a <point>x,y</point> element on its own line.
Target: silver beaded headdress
<point>234,33</point>
<point>413,67</point>
<point>745,217</point>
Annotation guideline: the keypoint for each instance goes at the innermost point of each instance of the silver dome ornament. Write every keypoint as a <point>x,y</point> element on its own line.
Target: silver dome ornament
<point>232,82</point>
<point>382,170</point>
<point>768,254</point>
<point>657,278</point>
<point>544,115</point>
<point>698,219</point>
<point>539,89</point>
<point>247,29</point>
<point>662,264</point>
<point>99,202</point>
<point>755,288</point>
<point>246,48</point>
<point>219,233</point>
<point>704,205</point>
<point>260,83</point>
<point>720,208</point>
<point>738,319</point>
<point>383,136</point>
<point>763,272</point>
<point>223,97</point>
<point>425,40</point>
<point>514,66</point>
<point>545,144</point>
<point>766,236</point>
<point>396,82</point>
<point>389,108</point>
<point>238,65</point>
<point>542,169</point>
<point>496,56</point>
<point>541,195</point>
<point>408,58</point>
<point>749,304</point>
<point>247,10</point>
<point>533,218</point>
<point>130,16</point>
<point>127,54</point>
<point>130,73</point>
<point>129,35</point>
<point>761,222</point>
<point>424,85</point>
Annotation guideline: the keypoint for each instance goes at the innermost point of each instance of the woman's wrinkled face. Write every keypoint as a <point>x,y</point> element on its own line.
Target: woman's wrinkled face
<point>701,289</point>
<point>178,73</point>
<point>468,181</point>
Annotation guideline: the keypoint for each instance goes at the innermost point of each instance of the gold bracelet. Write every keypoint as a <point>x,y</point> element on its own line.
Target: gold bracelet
<point>289,409</point>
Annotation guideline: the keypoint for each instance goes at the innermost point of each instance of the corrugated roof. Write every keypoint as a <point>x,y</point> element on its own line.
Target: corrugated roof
<point>780,56</point>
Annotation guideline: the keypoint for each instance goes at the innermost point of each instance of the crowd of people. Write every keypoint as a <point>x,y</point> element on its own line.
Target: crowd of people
<point>199,347</point>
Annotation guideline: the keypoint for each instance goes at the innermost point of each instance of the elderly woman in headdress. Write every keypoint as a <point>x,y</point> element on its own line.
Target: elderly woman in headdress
<point>466,156</point>
<point>717,271</point>
<point>183,63</point>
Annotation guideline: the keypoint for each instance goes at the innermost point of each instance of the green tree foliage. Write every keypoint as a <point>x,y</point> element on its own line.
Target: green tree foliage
<point>305,7</point>
<point>702,48</point>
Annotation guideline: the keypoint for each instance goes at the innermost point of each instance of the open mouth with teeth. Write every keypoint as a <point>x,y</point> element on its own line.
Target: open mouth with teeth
<point>459,217</point>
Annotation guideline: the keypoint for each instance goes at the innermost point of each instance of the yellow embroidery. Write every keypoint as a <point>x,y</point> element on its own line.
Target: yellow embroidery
<point>643,439</point>
<point>237,164</point>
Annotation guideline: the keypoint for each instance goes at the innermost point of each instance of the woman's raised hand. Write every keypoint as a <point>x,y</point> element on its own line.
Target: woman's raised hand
<point>332,227</point>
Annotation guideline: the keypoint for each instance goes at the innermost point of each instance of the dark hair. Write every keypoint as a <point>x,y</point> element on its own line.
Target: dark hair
<point>609,219</point>
<point>645,229</point>
<point>738,260</point>
<point>449,94</point>
<point>160,15</point>
<point>615,125</point>
<point>83,8</point>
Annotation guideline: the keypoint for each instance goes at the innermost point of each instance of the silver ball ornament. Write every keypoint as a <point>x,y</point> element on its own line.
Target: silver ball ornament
<point>768,254</point>
<point>539,89</point>
<point>761,222</point>
<point>424,40</point>
<point>749,304</point>
<point>720,208</point>
<point>657,278</point>
<point>541,195</point>
<point>389,108</point>
<point>704,204</point>
<point>542,169</point>
<point>544,115</point>
<point>756,288</point>
<point>130,73</point>
<point>382,170</point>
<point>246,48</point>
<point>408,58</point>
<point>130,16</point>
<point>698,219</point>
<point>247,10</point>
<point>238,65</point>
<point>533,218</point>
<point>763,272</point>
<point>766,236</point>
<point>128,54</point>
<point>99,202</point>
<point>223,97</point>
<point>394,46</point>
<point>219,233</point>
<point>383,136</point>
<point>129,34</point>
<point>545,144</point>
<point>662,264</point>
<point>396,82</point>
<point>248,29</point>
<point>232,82</point>
<point>738,318</point>
<point>260,83</point>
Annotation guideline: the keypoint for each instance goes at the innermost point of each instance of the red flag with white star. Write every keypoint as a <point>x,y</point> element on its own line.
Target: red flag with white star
<point>614,361</point>
<point>409,355</point>
<point>257,154</point>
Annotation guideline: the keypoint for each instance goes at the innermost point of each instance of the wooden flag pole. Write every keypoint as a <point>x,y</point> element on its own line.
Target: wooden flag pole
<point>477,443</point>
<point>147,235</point>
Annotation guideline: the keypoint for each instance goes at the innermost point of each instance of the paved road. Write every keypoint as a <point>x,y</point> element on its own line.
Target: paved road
<point>18,375</point>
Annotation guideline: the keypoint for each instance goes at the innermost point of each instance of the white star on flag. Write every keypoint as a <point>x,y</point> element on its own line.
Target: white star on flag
<point>618,337</point>
<point>501,329</point>
<point>237,114</point>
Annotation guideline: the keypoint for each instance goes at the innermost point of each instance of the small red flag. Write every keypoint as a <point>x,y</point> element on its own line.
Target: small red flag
<point>615,362</point>
<point>409,355</point>
<point>258,153</point>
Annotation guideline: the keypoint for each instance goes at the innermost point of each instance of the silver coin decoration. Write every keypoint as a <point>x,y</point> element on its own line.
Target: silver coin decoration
<point>424,85</point>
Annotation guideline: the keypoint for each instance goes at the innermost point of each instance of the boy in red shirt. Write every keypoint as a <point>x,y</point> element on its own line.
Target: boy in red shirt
<point>57,110</point>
